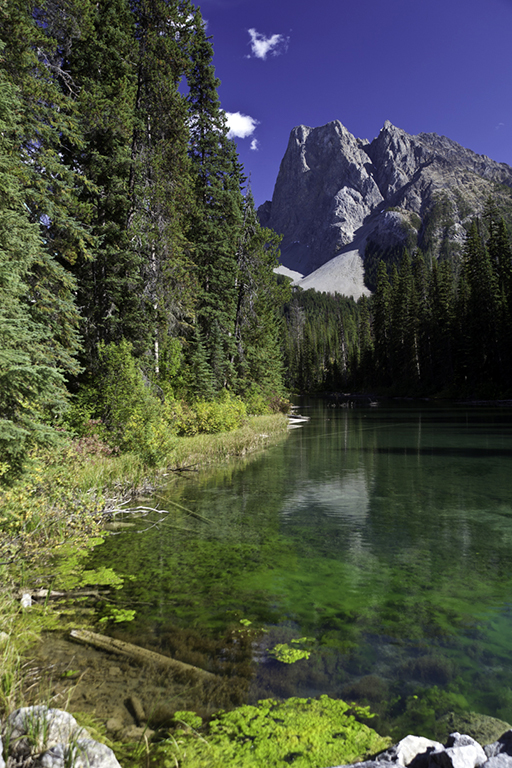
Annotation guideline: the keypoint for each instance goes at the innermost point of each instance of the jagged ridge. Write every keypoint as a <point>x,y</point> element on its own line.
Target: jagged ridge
<point>338,197</point>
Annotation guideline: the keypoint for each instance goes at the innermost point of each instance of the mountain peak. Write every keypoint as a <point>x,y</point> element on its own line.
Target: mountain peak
<point>333,192</point>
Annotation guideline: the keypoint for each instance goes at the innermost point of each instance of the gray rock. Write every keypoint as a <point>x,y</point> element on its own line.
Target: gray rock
<point>84,753</point>
<point>457,739</point>
<point>500,761</point>
<point>51,738</point>
<point>503,746</point>
<point>371,764</point>
<point>33,729</point>
<point>335,194</point>
<point>464,756</point>
<point>2,761</point>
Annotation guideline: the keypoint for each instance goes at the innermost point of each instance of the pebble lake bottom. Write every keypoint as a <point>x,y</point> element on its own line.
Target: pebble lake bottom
<point>372,547</point>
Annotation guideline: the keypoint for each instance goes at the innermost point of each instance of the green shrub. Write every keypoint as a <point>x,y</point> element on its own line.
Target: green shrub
<point>223,414</point>
<point>121,408</point>
<point>256,402</point>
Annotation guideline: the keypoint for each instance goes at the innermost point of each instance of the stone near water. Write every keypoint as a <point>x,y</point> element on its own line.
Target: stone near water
<point>483,728</point>
<point>408,749</point>
<point>50,738</point>
<point>138,709</point>
<point>460,751</point>
<point>502,745</point>
<point>465,756</point>
<point>500,761</point>
<point>136,733</point>
<point>85,753</point>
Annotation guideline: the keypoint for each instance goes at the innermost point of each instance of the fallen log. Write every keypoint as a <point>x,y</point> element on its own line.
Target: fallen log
<point>50,594</point>
<point>136,652</point>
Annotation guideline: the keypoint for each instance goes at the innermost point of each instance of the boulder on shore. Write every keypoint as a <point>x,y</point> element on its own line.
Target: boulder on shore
<point>459,751</point>
<point>41,737</point>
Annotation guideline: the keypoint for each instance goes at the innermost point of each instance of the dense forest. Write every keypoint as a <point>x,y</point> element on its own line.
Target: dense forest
<point>432,327</point>
<point>138,297</point>
<point>134,274</point>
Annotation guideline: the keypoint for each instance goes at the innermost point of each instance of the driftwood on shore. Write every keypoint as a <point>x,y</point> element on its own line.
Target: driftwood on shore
<point>136,652</point>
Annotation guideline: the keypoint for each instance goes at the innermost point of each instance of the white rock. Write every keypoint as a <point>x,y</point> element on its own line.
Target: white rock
<point>84,753</point>
<point>408,748</point>
<point>469,756</point>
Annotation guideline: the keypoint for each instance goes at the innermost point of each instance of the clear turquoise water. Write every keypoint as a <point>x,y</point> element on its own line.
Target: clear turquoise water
<point>382,534</point>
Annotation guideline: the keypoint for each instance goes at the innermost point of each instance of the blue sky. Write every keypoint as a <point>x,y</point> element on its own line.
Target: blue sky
<point>442,66</point>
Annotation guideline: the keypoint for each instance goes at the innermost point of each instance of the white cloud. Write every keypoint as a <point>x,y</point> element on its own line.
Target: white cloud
<point>255,145</point>
<point>261,46</point>
<point>240,126</point>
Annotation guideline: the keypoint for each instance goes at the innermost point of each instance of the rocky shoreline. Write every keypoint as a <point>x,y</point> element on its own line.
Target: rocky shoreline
<point>460,751</point>
<point>41,737</point>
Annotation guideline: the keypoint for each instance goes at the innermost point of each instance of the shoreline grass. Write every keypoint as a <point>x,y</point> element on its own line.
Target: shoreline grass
<point>65,498</point>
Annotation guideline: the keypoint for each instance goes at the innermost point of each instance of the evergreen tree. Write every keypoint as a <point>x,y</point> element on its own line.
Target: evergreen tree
<point>381,307</point>
<point>32,386</point>
<point>484,309</point>
<point>110,286</point>
<point>365,344</point>
<point>36,38</point>
<point>441,327</point>
<point>259,297</point>
<point>217,219</point>
<point>161,179</point>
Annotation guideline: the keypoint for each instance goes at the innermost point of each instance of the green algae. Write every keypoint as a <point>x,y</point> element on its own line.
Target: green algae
<point>304,733</point>
<point>288,655</point>
<point>388,541</point>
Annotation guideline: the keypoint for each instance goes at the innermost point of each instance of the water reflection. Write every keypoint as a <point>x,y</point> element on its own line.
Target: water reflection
<point>383,533</point>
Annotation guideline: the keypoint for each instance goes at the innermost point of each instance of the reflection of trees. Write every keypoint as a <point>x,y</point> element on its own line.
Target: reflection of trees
<point>378,531</point>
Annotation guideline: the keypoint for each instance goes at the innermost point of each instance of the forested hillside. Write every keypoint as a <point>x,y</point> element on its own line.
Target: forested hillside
<point>137,293</point>
<point>432,327</point>
<point>134,275</point>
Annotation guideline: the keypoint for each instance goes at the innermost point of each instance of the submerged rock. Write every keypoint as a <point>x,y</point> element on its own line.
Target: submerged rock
<point>483,728</point>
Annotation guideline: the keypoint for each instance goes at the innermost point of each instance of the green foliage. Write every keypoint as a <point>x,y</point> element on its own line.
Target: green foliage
<point>224,414</point>
<point>32,384</point>
<point>123,194</point>
<point>288,655</point>
<point>256,402</point>
<point>118,615</point>
<point>183,717</point>
<point>319,340</point>
<point>131,417</point>
<point>101,577</point>
<point>300,732</point>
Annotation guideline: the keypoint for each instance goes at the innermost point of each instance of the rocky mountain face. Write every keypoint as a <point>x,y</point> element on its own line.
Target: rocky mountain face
<point>340,201</point>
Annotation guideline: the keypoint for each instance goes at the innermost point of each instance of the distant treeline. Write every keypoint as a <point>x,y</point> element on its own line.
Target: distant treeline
<point>443,327</point>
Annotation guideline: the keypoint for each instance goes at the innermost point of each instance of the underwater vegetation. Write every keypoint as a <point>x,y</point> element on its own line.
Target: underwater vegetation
<point>304,733</point>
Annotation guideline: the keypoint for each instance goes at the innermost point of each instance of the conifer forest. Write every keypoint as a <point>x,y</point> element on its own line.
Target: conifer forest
<point>138,292</point>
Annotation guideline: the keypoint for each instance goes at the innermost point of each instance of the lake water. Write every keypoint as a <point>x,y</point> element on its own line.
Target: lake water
<point>377,538</point>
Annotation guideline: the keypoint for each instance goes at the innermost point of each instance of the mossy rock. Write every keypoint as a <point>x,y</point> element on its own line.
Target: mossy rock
<point>483,728</point>
<point>304,733</point>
